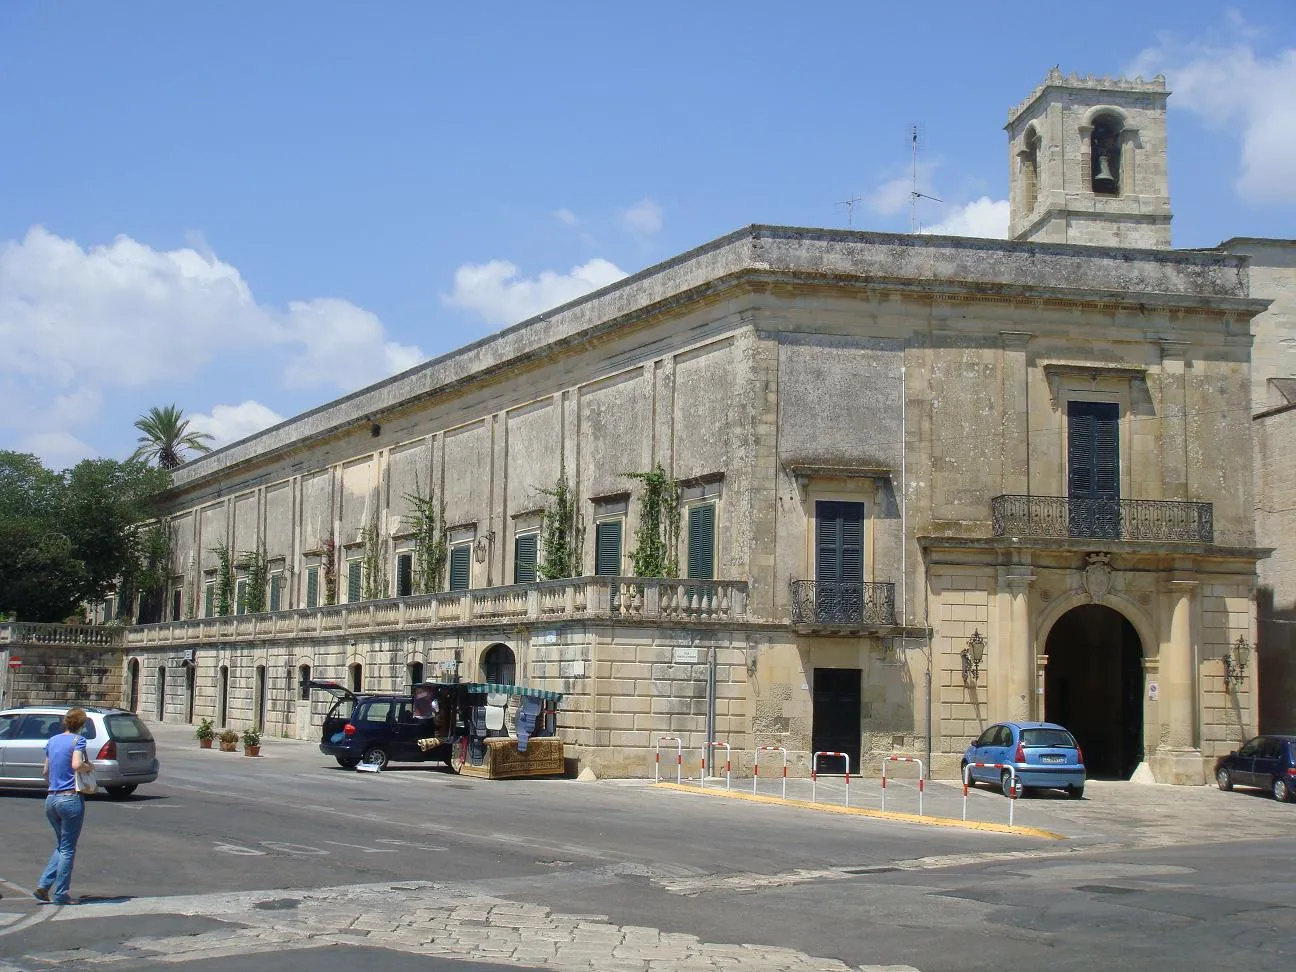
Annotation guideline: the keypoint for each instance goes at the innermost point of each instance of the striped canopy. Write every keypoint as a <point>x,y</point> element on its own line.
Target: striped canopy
<point>519,691</point>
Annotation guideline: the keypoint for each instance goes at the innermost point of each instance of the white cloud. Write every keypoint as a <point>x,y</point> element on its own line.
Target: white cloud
<point>566,217</point>
<point>984,217</point>
<point>229,423</point>
<point>1229,85</point>
<point>496,292</point>
<point>79,322</point>
<point>892,195</point>
<point>57,450</point>
<point>644,217</point>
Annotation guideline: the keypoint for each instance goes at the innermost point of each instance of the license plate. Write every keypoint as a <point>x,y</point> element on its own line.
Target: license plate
<point>1051,759</point>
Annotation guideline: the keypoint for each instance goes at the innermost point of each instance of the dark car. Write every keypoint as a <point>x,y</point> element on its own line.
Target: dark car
<point>1267,762</point>
<point>1042,754</point>
<point>374,729</point>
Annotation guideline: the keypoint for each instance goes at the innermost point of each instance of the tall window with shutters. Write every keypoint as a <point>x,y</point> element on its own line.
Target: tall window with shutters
<point>460,566</point>
<point>607,552</point>
<point>525,548</point>
<point>839,561</point>
<point>240,596</point>
<point>355,579</point>
<point>209,599</point>
<point>404,575</point>
<point>312,586</point>
<point>1093,469</point>
<point>701,543</point>
<point>276,591</point>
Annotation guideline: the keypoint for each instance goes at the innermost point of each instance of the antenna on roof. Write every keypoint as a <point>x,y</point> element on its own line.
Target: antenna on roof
<point>914,194</point>
<point>850,209</point>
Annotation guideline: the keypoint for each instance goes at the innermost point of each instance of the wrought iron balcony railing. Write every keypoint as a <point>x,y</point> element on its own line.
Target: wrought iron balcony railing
<point>843,605</point>
<point>1084,518</point>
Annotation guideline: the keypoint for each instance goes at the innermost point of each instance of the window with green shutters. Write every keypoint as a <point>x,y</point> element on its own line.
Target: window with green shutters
<point>276,592</point>
<point>404,575</point>
<point>209,599</point>
<point>607,548</point>
<point>240,596</point>
<point>312,587</point>
<point>355,579</point>
<point>525,548</point>
<point>460,566</point>
<point>701,541</point>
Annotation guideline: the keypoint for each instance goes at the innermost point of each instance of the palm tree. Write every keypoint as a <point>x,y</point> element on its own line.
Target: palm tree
<point>167,436</point>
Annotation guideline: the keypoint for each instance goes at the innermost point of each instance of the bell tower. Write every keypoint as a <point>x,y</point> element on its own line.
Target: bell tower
<point>1088,163</point>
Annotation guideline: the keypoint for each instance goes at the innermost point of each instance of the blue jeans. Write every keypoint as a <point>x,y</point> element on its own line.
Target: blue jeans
<point>66,814</point>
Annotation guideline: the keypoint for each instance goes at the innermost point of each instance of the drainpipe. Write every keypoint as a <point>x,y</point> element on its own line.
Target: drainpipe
<point>904,505</point>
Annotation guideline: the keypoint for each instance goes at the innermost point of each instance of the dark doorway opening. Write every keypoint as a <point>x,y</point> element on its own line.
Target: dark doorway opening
<point>1093,685</point>
<point>836,721</point>
<point>132,690</point>
<point>190,676</point>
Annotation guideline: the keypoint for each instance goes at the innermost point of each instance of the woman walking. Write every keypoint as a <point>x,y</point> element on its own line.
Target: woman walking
<point>64,807</point>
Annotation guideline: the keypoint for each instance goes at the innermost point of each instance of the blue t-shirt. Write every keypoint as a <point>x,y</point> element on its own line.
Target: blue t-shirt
<point>59,753</point>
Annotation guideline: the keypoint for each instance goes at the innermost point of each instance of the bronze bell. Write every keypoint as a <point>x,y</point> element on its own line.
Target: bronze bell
<point>1103,180</point>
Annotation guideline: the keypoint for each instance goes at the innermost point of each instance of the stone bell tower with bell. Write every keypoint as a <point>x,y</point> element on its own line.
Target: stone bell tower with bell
<point>1088,163</point>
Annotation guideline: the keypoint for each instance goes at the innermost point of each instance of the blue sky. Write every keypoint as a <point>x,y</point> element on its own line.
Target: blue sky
<point>249,208</point>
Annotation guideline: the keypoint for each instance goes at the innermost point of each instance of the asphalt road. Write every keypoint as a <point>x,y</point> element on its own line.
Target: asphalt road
<point>231,863</point>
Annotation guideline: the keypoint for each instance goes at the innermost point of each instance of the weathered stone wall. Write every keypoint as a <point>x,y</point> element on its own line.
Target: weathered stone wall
<point>62,674</point>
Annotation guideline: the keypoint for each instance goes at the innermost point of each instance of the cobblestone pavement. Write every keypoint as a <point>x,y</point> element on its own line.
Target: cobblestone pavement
<point>416,918</point>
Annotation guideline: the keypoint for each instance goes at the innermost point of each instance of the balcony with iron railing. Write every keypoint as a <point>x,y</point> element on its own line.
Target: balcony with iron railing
<point>842,607</point>
<point>1087,518</point>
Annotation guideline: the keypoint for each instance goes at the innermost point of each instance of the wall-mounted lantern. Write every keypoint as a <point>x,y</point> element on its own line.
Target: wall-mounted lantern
<point>973,655</point>
<point>1235,661</point>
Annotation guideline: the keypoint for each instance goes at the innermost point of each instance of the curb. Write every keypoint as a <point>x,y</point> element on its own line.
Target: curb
<point>898,817</point>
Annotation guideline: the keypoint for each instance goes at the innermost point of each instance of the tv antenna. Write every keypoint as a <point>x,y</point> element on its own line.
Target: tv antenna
<point>850,209</point>
<point>914,194</point>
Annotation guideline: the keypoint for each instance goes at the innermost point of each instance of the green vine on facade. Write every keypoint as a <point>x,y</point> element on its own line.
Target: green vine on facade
<point>257,565</point>
<point>560,533</point>
<point>657,539</point>
<point>430,549</point>
<point>374,569</point>
<point>328,561</point>
<point>224,580</point>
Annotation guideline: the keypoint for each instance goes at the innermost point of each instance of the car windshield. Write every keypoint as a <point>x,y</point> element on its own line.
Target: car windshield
<point>127,728</point>
<point>1039,738</point>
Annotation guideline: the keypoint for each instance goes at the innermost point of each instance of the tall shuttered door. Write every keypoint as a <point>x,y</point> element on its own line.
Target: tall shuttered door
<point>276,592</point>
<point>355,579</point>
<point>524,558</point>
<point>701,541</point>
<point>460,558</point>
<point>209,600</point>
<point>607,548</point>
<point>312,587</point>
<point>404,575</point>
<point>839,562</point>
<point>1093,469</point>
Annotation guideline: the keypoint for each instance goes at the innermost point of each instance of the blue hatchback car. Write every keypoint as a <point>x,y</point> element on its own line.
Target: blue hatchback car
<point>1043,755</point>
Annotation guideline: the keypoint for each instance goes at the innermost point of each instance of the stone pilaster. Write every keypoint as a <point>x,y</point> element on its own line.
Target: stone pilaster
<point>1178,758</point>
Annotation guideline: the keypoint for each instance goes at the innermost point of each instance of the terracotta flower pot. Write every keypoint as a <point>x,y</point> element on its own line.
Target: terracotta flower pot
<point>204,743</point>
<point>251,750</point>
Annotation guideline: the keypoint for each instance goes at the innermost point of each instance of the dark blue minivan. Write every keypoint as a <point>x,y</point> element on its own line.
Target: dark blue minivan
<point>375,729</point>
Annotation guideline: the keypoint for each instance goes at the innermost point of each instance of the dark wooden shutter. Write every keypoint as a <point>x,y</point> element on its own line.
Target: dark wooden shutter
<point>404,575</point>
<point>607,548</point>
<point>276,588</point>
<point>312,587</point>
<point>240,597</point>
<point>355,579</point>
<point>209,600</point>
<point>839,543</point>
<point>701,541</point>
<point>524,558</point>
<point>177,598</point>
<point>1093,449</point>
<point>460,558</point>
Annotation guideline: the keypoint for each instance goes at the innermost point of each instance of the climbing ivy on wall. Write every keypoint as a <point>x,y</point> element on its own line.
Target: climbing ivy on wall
<point>560,533</point>
<point>430,549</point>
<point>374,570</point>
<point>657,539</point>
<point>224,579</point>
<point>257,565</point>
<point>328,561</point>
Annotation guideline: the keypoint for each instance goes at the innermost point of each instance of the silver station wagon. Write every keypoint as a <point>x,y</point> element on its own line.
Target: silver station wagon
<point>121,747</point>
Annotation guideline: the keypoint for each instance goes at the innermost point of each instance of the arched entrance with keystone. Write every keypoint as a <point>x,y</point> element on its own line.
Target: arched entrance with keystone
<point>1094,685</point>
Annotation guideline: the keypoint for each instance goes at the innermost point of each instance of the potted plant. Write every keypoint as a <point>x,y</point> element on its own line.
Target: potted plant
<point>205,733</point>
<point>251,741</point>
<point>228,740</point>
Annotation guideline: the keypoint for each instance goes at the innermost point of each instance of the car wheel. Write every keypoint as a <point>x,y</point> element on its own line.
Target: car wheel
<point>1281,791</point>
<point>458,755</point>
<point>375,756</point>
<point>1224,779</point>
<point>1006,783</point>
<point>1075,792</point>
<point>347,762</point>
<point>121,792</point>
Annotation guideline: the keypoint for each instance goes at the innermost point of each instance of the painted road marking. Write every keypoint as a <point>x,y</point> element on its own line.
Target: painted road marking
<point>362,847</point>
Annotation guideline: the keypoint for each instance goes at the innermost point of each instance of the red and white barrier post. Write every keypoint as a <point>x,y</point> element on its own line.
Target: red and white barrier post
<point>756,765</point>
<point>1014,791</point>
<point>814,773</point>
<point>712,744</point>
<point>922,776</point>
<point>679,758</point>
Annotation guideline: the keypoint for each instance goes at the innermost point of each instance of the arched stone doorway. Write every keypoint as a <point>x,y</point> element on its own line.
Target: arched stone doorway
<point>1093,685</point>
<point>499,665</point>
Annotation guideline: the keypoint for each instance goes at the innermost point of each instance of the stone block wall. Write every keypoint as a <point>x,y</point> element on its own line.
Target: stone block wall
<point>63,674</point>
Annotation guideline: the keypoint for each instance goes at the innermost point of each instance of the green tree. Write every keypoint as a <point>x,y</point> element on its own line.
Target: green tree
<point>166,436</point>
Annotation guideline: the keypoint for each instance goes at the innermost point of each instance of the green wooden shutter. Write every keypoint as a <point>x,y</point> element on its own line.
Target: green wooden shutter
<point>524,558</point>
<point>404,575</point>
<point>607,548</point>
<point>209,600</point>
<point>839,543</point>
<point>701,541</point>
<point>355,579</point>
<point>240,596</point>
<point>276,587</point>
<point>460,566</point>
<point>312,587</point>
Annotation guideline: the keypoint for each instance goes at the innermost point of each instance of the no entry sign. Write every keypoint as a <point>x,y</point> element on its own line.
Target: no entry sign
<point>15,663</point>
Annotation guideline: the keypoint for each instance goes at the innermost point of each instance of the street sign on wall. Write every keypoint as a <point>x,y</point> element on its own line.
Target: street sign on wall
<point>15,663</point>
